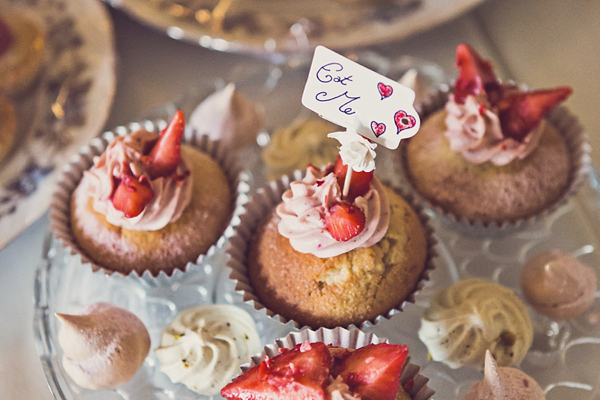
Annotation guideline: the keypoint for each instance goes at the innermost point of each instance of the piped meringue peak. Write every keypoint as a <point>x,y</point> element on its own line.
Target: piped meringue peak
<point>504,383</point>
<point>103,347</point>
<point>229,116</point>
<point>491,121</point>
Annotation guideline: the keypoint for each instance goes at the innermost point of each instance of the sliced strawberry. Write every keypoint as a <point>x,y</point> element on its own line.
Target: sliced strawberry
<point>131,195</point>
<point>520,112</point>
<point>344,221</point>
<point>166,153</point>
<point>373,371</point>
<point>476,76</point>
<point>359,184</point>
<point>5,37</point>
<point>301,373</point>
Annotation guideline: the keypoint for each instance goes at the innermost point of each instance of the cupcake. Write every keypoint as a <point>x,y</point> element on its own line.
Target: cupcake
<point>314,255</point>
<point>492,154</point>
<point>331,364</point>
<point>21,52</point>
<point>8,126</point>
<point>148,203</point>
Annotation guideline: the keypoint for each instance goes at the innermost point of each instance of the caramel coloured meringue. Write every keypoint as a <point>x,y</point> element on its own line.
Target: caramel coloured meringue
<point>103,347</point>
<point>472,316</point>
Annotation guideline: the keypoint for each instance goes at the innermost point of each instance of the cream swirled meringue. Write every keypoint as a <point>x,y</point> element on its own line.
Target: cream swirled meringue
<point>504,383</point>
<point>103,347</point>
<point>471,316</point>
<point>556,284</point>
<point>204,346</point>
<point>228,116</point>
<point>171,193</point>
<point>305,203</point>
<point>474,130</point>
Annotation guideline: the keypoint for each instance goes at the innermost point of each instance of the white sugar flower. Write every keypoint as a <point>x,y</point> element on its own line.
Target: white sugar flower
<point>355,150</point>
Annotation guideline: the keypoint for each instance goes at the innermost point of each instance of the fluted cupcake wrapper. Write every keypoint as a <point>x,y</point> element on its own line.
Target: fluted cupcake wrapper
<point>60,216</point>
<point>578,146</point>
<point>411,380</point>
<point>262,202</point>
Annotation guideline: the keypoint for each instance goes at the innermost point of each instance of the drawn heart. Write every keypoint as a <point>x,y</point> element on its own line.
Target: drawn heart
<point>384,90</point>
<point>403,121</point>
<point>377,128</point>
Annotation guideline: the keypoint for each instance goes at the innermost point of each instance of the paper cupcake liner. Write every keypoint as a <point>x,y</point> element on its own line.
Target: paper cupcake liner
<point>60,217</point>
<point>579,150</point>
<point>262,202</point>
<point>411,380</point>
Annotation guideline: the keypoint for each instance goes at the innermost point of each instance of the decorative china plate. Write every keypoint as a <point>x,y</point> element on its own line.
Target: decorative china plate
<point>65,108</point>
<point>284,26</point>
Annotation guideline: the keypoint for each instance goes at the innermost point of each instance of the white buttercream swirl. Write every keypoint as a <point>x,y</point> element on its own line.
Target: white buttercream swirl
<point>305,204</point>
<point>474,130</point>
<point>171,193</point>
<point>204,346</point>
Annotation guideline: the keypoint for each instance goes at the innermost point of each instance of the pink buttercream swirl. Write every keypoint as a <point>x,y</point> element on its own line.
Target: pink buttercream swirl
<point>171,193</point>
<point>474,131</point>
<point>305,204</point>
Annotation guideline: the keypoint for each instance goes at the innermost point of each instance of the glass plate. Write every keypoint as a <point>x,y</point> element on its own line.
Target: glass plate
<point>564,356</point>
<point>65,108</point>
<point>276,26</point>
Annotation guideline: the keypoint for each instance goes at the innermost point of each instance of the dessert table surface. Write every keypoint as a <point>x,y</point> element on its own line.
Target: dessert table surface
<point>541,43</point>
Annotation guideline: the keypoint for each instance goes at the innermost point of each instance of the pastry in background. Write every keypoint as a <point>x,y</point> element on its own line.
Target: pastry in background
<point>8,126</point>
<point>21,52</point>
<point>504,383</point>
<point>302,143</point>
<point>103,347</point>
<point>150,203</point>
<point>557,285</point>
<point>413,80</point>
<point>471,316</point>
<point>228,116</point>
<point>490,155</point>
<point>204,346</point>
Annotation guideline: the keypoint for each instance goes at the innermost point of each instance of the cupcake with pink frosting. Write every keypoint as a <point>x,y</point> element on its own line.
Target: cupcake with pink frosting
<point>492,152</point>
<point>323,252</point>
<point>146,203</point>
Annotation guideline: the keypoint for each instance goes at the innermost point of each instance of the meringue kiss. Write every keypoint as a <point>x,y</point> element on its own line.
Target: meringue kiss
<point>103,347</point>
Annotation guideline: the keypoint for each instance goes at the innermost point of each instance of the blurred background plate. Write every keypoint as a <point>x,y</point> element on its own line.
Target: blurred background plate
<point>65,108</point>
<point>283,26</point>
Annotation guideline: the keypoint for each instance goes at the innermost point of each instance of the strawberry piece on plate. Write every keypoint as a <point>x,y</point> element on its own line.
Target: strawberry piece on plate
<point>299,374</point>
<point>130,194</point>
<point>373,371</point>
<point>344,221</point>
<point>520,112</point>
<point>476,76</point>
<point>166,153</point>
<point>360,183</point>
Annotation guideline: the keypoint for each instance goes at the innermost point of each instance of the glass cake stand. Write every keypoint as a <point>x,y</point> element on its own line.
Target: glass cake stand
<point>564,356</point>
